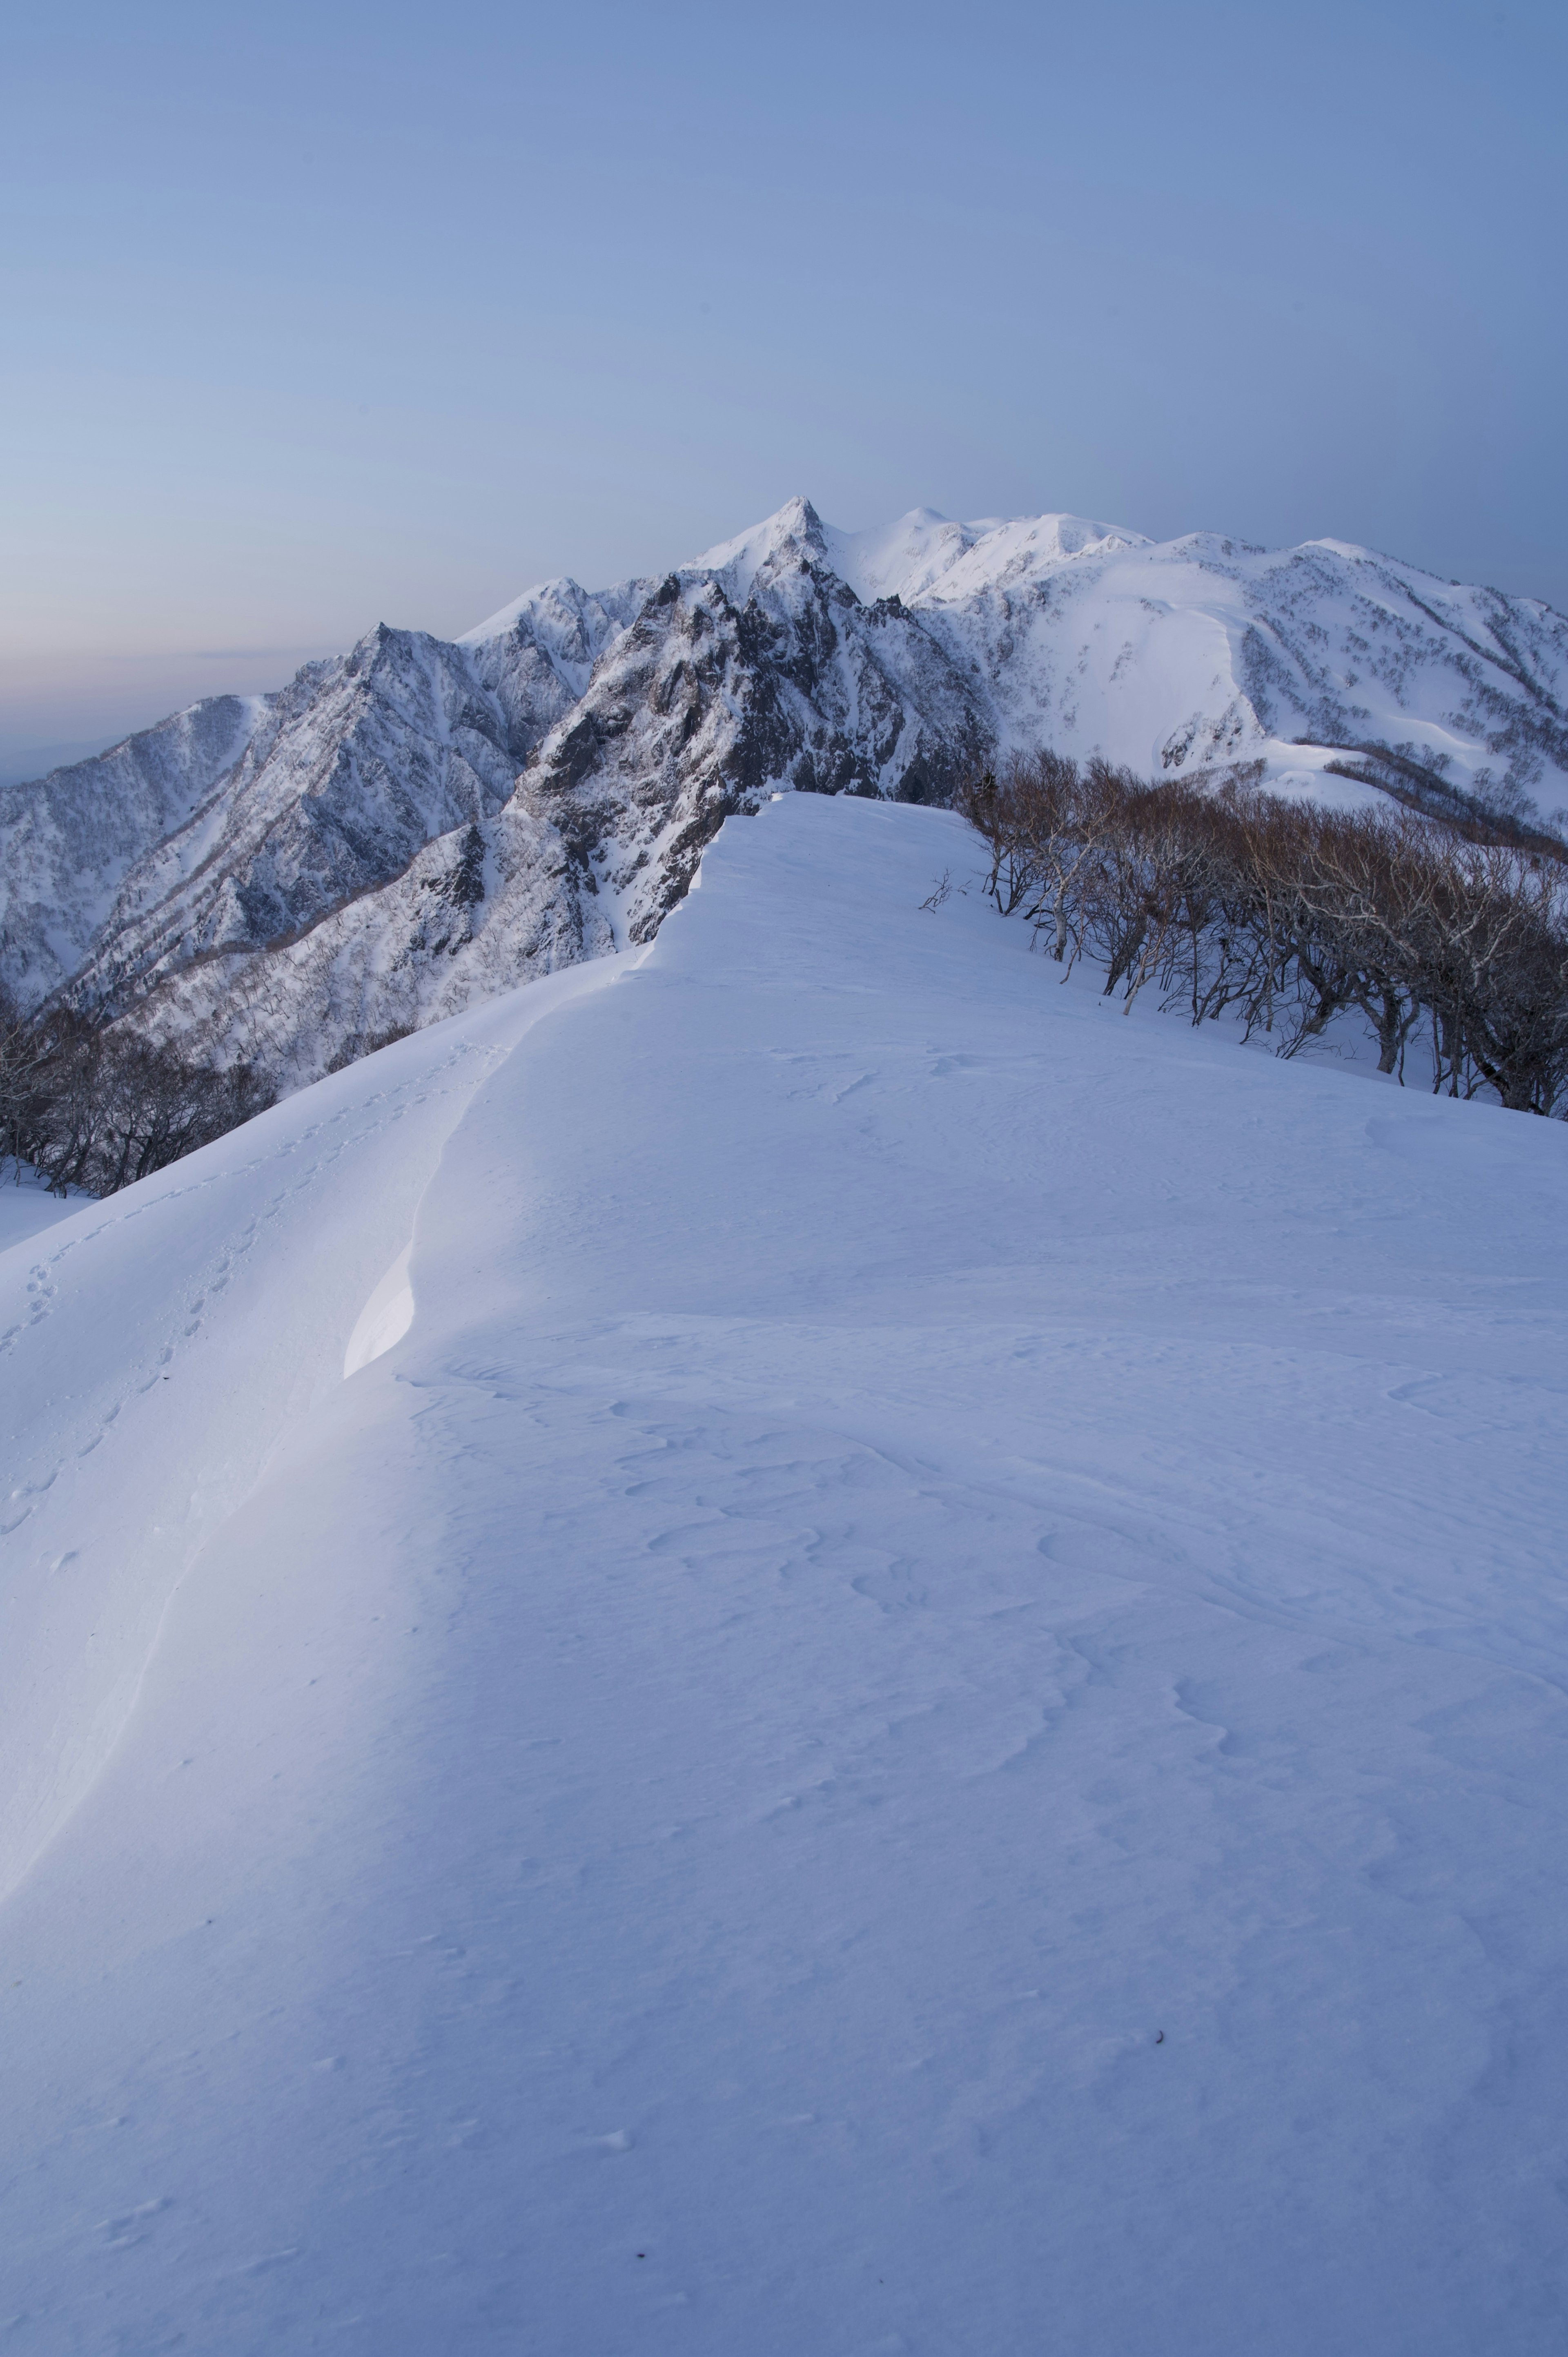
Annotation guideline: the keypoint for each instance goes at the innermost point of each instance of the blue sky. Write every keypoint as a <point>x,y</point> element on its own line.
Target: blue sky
<point>318,316</point>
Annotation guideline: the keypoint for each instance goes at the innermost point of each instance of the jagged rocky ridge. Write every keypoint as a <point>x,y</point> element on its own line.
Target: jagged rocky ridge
<point>419,823</point>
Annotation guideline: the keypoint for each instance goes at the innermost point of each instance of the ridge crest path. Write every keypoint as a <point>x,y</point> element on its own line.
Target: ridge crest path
<point>923,1707</point>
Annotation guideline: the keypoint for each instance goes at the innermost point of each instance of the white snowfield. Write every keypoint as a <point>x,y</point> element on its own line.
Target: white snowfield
<point>913,1700</point>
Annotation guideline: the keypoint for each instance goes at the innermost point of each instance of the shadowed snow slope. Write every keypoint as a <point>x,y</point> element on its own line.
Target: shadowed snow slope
<point>922,1709</point>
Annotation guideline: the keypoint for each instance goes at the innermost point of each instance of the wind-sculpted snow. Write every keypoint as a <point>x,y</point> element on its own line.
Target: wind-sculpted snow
<point>914,1698</point>
<point>274,879</point>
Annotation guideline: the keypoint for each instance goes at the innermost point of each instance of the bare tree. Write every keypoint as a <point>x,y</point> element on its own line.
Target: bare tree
<point>94,1107</point>
<point>1289,916</point>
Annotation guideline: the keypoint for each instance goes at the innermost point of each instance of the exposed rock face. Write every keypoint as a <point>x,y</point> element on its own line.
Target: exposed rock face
<point>724,689</point>
<point>71,840</point>
<point>420,822</point>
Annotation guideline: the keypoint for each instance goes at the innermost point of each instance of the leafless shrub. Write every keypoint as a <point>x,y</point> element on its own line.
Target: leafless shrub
<point>367,1043</point>
<point>95,1108</point>
<point>1288,915</point>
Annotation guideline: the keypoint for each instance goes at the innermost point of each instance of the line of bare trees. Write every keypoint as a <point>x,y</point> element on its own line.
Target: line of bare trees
<point>1286,915</point>
<point>93,1107</point>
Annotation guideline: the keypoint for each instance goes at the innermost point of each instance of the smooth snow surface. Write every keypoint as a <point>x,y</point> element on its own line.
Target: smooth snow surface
<point>922,1710</point>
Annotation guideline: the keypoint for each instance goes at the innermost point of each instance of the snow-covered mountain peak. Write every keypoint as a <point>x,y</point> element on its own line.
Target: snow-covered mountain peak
<point>955,561</point>
<point>901,558</point>
<point>1350,551</point>
<point>909,557</point>
<point>420,822</point>
<point>920,554</point>
<point>795,530</point>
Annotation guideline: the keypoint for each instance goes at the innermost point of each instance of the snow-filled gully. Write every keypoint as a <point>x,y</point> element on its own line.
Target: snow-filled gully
<point>922,1709</point>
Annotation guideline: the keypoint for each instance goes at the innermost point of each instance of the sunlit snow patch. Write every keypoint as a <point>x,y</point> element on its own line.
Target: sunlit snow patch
<point>384,1319</point>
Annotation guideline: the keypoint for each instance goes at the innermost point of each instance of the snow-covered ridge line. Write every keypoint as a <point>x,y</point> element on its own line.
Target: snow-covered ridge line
<point>421,823</point>
<point>925,1691</point>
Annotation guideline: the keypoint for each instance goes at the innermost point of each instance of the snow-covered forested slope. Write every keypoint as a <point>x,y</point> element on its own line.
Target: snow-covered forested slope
<point>911,1697</point>
<point>419,824</point>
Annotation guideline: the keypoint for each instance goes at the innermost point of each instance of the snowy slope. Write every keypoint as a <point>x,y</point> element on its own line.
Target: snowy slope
<point>1166,656</point>
<point>238,827</point>
<point>27,1207</point>
<point>919,1704</point>
<point>418,825</point>
<point>67,842</point>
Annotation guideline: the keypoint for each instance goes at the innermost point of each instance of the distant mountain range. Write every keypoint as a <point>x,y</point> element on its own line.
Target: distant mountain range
<point>421,823</point>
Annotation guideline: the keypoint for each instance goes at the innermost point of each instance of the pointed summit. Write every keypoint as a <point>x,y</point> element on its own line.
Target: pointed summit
<point>795,529</point>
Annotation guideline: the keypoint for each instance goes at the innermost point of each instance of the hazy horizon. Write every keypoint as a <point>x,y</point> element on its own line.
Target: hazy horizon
<point>318,323</point>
